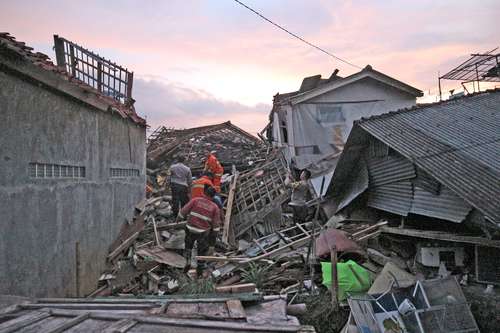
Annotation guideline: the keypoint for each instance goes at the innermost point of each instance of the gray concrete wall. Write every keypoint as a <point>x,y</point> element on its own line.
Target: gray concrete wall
<point>41,220</point>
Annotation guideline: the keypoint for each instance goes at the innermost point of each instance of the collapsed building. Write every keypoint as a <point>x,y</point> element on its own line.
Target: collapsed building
<point>433,170</point>
<point>72,166</point>
<point>234,146</point>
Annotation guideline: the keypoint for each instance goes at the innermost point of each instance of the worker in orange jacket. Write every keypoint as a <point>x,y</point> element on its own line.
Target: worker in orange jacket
<point>198,185</point>
<point>213,165</point>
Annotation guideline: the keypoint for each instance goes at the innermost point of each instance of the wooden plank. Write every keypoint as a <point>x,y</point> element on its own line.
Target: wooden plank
<point>370,228</point>
<point>89,306</point>
<point>157,237</point>
<point>182,310</point>
<point>120,326</point>
<point>161,255</point>
<point>441,235</point>
<point>302,229</point>
<point>333,255</point>
<point>235,309</point>
<point>176,322</point>
<point>126,244</point>
<point>23,321</point>
<point>68,324</point>
<point>292,245</point>
<point>153,299</point>
<point>230,200</point>
<point>237,288</point>
<point>214,310</point>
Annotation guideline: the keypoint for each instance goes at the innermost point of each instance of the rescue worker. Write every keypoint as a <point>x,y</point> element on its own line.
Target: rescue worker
<point>180,184</point>
<point>198,187</point>
<point>203,224</point>
<point>213,165</point>
<point>300,195</point>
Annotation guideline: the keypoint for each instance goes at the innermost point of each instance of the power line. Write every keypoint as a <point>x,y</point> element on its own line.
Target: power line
<point>296,36</point>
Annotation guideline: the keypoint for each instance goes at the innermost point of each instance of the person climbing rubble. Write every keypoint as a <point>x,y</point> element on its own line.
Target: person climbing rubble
<point>213,165</point>
<point>180,184</point>
<point>301,194</point>
<point>198,188</point>
<point>203,224</point>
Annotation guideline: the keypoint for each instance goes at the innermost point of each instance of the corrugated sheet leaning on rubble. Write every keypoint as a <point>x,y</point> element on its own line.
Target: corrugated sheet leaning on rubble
<point>455,142</point>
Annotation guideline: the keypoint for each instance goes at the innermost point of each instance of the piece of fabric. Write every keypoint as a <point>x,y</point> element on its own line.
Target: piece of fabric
<point>351,277</point>
<point>180,174</point>
<point>179,197</point>
<point>199,186</point>
<point>202,213</point>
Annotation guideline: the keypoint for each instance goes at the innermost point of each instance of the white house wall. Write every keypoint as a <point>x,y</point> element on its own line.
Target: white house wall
<point>383,99</point>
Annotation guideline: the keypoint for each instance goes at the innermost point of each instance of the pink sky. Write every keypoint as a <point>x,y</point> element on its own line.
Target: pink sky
<point>202,62</point>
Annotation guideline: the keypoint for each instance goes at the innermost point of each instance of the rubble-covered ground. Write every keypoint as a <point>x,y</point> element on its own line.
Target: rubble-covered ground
<point>266,253</point>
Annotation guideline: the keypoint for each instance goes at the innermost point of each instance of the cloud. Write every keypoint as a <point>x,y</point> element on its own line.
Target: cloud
<point>172,104</point>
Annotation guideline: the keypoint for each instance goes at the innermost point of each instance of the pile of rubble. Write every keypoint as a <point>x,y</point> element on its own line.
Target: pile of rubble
<point>234,146</point>
<point>364,266</point>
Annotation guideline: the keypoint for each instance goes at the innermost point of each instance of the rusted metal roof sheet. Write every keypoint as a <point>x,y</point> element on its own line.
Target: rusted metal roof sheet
<point>11,48</point>
<point>455,141</point>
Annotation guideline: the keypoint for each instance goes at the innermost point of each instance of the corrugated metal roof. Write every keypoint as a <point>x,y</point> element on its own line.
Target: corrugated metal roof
<point>389,169</point>
<point>446,205</point>
<point>395,198</point>
<point>454,141</point>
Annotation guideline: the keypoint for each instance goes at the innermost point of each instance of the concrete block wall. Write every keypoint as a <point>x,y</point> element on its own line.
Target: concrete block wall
<point>42,220</point>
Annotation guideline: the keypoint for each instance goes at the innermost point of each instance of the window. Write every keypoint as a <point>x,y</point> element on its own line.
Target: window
<point>123,173</point>
<point>50,171</point>
<point>331,114</point>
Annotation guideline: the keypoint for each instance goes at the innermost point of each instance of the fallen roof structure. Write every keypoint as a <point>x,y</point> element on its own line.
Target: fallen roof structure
<point>439,160</point>
<point>233,145</point>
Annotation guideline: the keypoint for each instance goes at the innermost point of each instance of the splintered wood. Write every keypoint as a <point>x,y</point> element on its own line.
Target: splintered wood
<point>259,192</point>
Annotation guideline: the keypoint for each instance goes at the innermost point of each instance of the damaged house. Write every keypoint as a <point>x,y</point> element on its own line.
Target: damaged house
<point>72,166</point>
<point>314,122</point>
<point>434,170</point>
